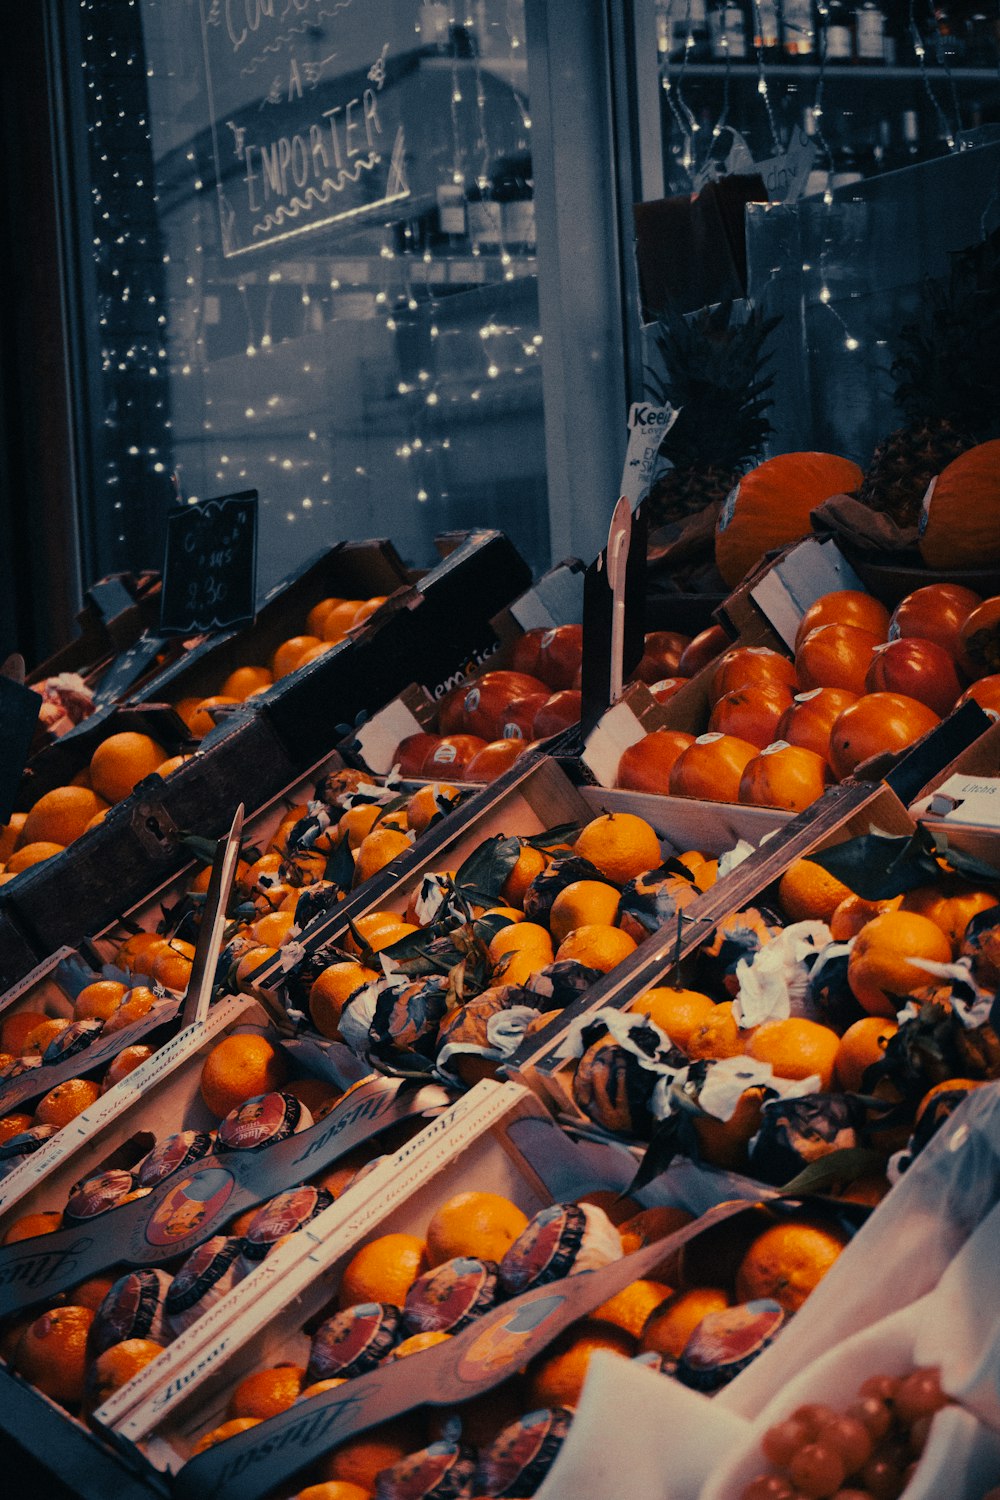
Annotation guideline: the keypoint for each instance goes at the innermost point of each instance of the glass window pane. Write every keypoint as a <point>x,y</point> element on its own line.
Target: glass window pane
<point>336,203</point>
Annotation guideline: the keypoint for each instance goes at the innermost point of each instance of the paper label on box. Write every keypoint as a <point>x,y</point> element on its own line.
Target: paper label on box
<point>180,1215</point>
<point>39,972</point>
<point>648,425</point>
<point>378,739</point>
<point>629,720</point>
<point>965,799</point>
<point>809,571</point>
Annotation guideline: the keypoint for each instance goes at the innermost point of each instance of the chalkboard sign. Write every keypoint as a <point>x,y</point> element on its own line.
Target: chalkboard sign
<point>210,568</point>
<point>306,126</point>
<point>19,710</point>
<point>127,668</point>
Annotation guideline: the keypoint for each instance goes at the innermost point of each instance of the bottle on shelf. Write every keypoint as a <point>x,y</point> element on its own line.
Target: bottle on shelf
<point>911,138</point>
<point>873,44</point>
<point>727,31</point>
<point>883,147</point>
<point>798,30</point>
<point>689,35</point>
<point>452,226</point>
<point>948,40</point>
<point>836,34</point>
<point>513,189</point>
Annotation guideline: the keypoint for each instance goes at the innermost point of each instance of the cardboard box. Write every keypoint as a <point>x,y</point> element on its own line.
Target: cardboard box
<point>117,610</point>
<point>18,956</point>
<point>960,805</point>
<point>497,1138</point>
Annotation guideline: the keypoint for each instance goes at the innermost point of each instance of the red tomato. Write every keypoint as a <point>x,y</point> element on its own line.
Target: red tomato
<point>661,654</point>
<point>919,668</point>
<point>704,648</point>
<point>785,776</point>
<point>878,722</point>
<point>757,664</point>
<point>560,655</point>
<point>811,717</point>
<point>845,607</point>
<point>980,634</point>
<point>986,692</point>
<point>663,691</point>
<point>557,713</point>
<point>452,754</point>
<point>519,715</point>
<point>711,768</point>
<point>413,751</point>
<point>936,612</point>
<point>751,713</point>
<point>835,656</point>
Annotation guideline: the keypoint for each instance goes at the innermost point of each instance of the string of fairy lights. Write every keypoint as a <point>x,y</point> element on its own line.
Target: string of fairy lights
<point>388,271</point>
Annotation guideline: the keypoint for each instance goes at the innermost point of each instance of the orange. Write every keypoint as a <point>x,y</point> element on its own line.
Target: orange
<point>557,1378</point>
<point>337,1179</point>
<point>383,1270</point>
<point>331,990</point>
<point>854,912</point>
<point>116,1367</point>
<point>357,822</point>
<point>796,1048</point>
<point>515,968</point>
<point>9,835</point>
<point>339,619</point>
<point>52,1352</point>
<point>137,1003</point>
<point>271,930</point>
<point>620,845</point>
<point>808,893</point>
<point>596,945</point>
<point>617,1206</point>
<point>41,1034</point>
<point>121,761</point>
<point>845,607</point>
<point>378,849</point>
<point>651,1224</point>
<point>28,1225</point>
<point>860,1046</point>
<point>423,807</point>
<point>751,712</point>
<point>646,765</point>
<point>379,929</point>
<point>669,1326</point>
<point>128,1059</point>
<point>66,1101</point>
<point>244,681</point>
<point>316,616</point>
<point>784,776</point>
<point>238,1068</point>
<point>677,1012</point>
<point>31,854</point>
<point>13,1125</point>
<point>711,768</point>
<point>289,653</point>
<point>267,1392</point>
<point>629,1308</point>
<point>811,717</point>
<point>99,999</point>
<point>224,1430</point>
<point>743,665</point>
<point>877,723</point>
<point>481,1225</point>
<point>201,719</point>
<point>530,862</point>
<point>880,971</point>
<point>361,1459</point>
<point>946,1086</point>
<point>312,652</point>
<point>836,656</point>
<point>518,937</point>
<point>724,1143</point>
<point>334,1489</point>
<point>950,905</point>
<point>172,965</point>
<point>16,1028</point>
<point>249,962</point>
<point>319,1386</point>
<point>134,947</point>
<point>717,1036</point>
<point>581,902</point>
<point>417,1342</point>
<point>61,815</point>
<point>787,1261</point>
<point>92,1292</point>
<point>366,609</point>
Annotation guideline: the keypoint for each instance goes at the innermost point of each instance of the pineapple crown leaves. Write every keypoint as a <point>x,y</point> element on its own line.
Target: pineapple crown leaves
<point>714,367</point>
<point>945,361</point>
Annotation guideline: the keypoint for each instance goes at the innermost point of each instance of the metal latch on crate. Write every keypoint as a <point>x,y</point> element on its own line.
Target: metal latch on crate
<point>154,828</point>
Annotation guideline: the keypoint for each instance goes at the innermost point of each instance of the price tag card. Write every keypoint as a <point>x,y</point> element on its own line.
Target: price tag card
<point>210,568</point>
<point>128,668</point>
<point>19,710</point>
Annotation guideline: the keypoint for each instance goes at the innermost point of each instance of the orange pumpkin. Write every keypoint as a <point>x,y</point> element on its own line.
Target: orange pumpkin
<point>770,507</point>
<point>960,521</point>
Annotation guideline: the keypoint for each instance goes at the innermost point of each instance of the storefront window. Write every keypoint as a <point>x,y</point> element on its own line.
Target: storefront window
<point>322,212</point>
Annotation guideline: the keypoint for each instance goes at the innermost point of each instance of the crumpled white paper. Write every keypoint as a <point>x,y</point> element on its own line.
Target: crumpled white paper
<point>774,983</point>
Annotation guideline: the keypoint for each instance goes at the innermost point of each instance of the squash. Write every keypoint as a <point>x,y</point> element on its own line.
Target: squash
<point>770,507</point>
<point>959,524</point>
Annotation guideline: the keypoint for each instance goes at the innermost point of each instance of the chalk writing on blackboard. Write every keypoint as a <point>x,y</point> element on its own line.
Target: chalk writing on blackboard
<point>210,567</point>
<point>306,126</point>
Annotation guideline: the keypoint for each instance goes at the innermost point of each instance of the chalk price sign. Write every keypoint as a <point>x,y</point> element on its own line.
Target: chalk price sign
<point>210,568</point>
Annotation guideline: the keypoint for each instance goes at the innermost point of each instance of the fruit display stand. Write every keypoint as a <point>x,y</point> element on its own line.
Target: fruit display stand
<point>495,1140</point>
<point>960,807</point>
<point>116,612</point>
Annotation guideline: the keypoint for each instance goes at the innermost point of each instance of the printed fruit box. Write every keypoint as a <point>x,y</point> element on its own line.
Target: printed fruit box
<point>958,806</point>
<point>821,684</point>
<point>217,1132</point>
<point>526,901</point>
<point>540,1220</point>
<point>111,865</point>
<point>910,1306</point>
<point>832,1005</point>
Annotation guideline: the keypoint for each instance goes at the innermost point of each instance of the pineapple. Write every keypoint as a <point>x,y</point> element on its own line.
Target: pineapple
<point>947,383</point>
<point>714,367</point>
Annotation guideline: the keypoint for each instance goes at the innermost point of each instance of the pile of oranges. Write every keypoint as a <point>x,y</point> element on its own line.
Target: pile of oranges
<point>327,623</point>
<point>874,1021</point>
<point>861,683</point>
<point>469,1240</point>
<point>524,923</point>
<point>60,816</point>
